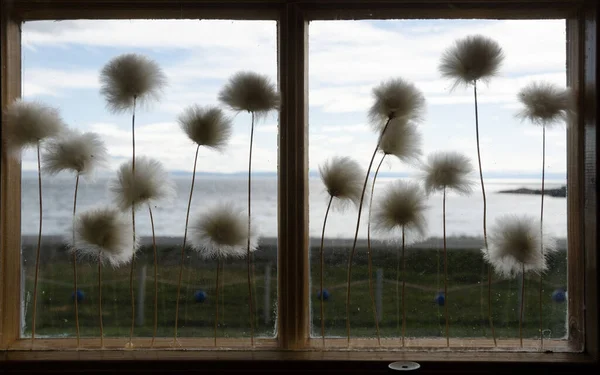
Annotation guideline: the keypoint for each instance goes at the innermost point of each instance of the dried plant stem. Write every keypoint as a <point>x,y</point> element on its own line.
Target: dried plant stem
<point>445,271</point>
<point>131,292</point>
<point>542,233</point>
<point>369,253</point>
<point>403,289</point>
<point>398,292</point>
<point>522,303</point>
<point>248,255</point>
<point>155,277</point>
<point>351,257</point>
<point>222,292</point>
<point>485,241</point>
<point>100,300</point>
<point>39,245</point>
<point>217,299</point>
<point>322,270</point>
<point>187,220</point>
<point>75,261</point>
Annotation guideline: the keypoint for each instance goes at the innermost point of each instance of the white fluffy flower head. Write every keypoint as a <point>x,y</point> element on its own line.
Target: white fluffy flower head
<point>74,151</point>
<point>402,140</point>
<point>130,76</point>
<point>515,243</point>
<point>104,234</point>
<point>402,205</point>
<point>252,92</point>
<point>206,126</point>
<point>27,123</point>
<point>222,232</point>
<point>470,59</point>
<point>396,98</point>
<point>343,178</point>
<point>544,103</point>
<point>447,170</point>
<point>151,183</point>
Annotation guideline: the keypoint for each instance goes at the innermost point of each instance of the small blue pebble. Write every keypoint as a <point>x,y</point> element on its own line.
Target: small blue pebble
<point>559,295</point>
<point>440,299</point>
<point>80,295</point>
<point>325,295</point>
<point>200,296</point>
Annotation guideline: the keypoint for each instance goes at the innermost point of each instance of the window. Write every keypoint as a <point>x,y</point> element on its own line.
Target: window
<point>295,294</point>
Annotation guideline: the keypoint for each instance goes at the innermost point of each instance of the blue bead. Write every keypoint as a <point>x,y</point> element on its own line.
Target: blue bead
<point>200,296</point>
<point>325,294</point>
<point>440,299</point>
<point>80,295</point>
<point>559,295</point>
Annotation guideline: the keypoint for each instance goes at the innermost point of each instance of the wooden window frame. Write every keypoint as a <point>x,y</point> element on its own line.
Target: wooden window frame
<point>293,17</point>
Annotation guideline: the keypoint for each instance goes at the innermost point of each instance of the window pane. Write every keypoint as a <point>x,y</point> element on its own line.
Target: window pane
<point>62,62</point>
<point>347,60</point>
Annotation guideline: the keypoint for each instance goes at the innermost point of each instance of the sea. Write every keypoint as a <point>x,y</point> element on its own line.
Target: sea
<point>463,213</point>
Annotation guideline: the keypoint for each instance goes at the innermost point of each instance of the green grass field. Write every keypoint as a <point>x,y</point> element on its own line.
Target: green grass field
<point>467,296</point>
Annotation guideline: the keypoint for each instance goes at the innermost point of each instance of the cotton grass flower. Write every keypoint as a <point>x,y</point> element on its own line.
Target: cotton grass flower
<point>401,140</point>
<point>206,126</point>
<point>254,93</point>
<point>129,79</point>
<point>27,124</point>
<point>396,98</point>
<point>544,103</point>
<point>222,233</point>
<point>76,152</point>
<point>150,184</point>
<point>106,236</point>
<point>343,178</point>
<point>447,171</point>
<point>516,246</point>
<point>400,210</point>
<point>251,92</point>
<point>209,127</point>
<point>471,59</point>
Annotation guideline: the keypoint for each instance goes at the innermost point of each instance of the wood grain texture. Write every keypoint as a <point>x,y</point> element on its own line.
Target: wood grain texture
<point>292,257</point>
<point>575,245</point>
<point>10,193</point>
<point>590,170</point>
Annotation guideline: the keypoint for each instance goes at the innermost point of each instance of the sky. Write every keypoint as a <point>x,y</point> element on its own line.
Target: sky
<point>347,59</point>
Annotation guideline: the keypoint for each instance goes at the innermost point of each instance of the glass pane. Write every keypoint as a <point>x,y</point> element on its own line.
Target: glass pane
<point>62,62</point>
<point>347,60</point>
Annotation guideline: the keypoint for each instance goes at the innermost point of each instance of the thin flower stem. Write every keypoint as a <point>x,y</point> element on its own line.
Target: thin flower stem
<point>39,245</point>
<point>217,299</point>
<point>445,271</point>
<point>187,220</point>
<point>222,292</point>
<point>131,292</point>
<point>100,300</point>
<point>398,292</point>
<point>155,277</point>
<point>351,258</point>
<point>369,253</point>
<point>542,233</point>
<point>485,241</point>
<point>522,303</point>
<point>248,255</point>
<point>323,270</point>
<point>75,261</point>
<point>403,288</point>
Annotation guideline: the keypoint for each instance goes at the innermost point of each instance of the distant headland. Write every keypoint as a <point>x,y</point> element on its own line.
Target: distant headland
<point>560,192</point>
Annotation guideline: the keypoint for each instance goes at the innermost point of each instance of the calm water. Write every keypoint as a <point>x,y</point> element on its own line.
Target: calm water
<point>463,213</point>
